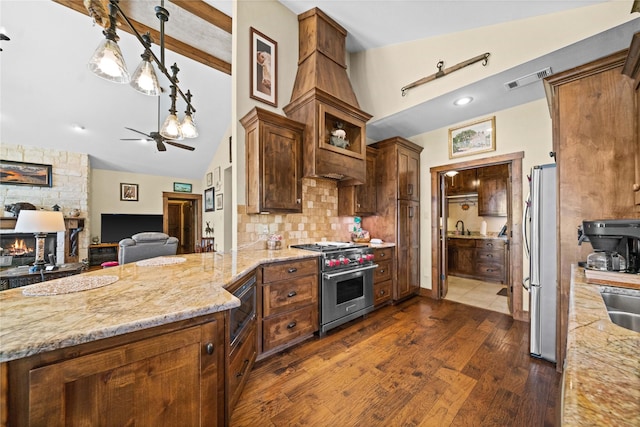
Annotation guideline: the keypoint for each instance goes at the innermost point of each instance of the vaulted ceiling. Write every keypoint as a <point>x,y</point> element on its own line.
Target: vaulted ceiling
<point>46,87</point>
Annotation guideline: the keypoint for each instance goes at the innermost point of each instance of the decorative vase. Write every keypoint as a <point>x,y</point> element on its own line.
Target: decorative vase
<point>274,244</point>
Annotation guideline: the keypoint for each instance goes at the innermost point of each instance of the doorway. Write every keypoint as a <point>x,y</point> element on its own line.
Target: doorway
<point>439,211</point>
<point>182,219</point>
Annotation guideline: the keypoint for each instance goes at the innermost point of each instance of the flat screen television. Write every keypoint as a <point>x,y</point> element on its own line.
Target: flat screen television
<point>116,227</point>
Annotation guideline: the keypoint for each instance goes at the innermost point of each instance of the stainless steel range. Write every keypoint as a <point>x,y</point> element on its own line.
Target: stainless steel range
<point>346,282</point>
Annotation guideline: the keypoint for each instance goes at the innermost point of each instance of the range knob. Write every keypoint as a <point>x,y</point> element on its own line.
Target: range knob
<point>361,260</point>
<point>345,261</point>
<point>369,257</point>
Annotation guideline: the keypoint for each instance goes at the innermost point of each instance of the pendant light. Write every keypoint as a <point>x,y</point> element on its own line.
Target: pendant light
<point>171,127</point>
<point>188,126</point>
<point>107,61</point>
<point>144,79</point>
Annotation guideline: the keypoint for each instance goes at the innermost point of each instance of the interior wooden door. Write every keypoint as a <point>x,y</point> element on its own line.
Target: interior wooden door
<point>187,242</point>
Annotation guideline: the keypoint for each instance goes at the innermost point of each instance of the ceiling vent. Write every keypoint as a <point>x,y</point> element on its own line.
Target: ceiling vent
<point>528,79</point>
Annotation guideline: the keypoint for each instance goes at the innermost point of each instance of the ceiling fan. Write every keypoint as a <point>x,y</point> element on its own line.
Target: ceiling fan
<point>159,139</point>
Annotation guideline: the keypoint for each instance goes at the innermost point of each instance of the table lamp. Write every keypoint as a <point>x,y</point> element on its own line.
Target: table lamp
<point>40,223</point>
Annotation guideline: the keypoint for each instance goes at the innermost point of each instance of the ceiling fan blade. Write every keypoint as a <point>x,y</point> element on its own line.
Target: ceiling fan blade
<point>136,139</point>
<point>177,144</point>
<point>137,131</point>
<point>160,145</point>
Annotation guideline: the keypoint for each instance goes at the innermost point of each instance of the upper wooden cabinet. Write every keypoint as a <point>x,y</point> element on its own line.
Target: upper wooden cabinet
<point>408,173</point>
<point>465,182</point>
<point>273,146</point>
<point>492,190</point>
<point>631,68</point>
<point>360,200</point>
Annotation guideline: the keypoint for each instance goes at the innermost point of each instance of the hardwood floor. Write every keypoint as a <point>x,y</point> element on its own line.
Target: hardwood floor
<point>420,363</point>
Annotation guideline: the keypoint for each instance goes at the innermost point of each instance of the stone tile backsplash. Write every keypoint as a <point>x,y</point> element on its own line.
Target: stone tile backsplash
<point>319,219</point>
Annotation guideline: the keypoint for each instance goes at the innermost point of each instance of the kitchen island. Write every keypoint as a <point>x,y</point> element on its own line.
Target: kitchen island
<point>159,324</point>
<point>601,384</point>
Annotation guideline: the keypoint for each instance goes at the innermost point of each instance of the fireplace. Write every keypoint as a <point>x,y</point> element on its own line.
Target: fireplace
<point>21,247</point>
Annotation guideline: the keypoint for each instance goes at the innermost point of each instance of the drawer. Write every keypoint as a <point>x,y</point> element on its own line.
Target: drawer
<point>490,271</point>
<point>279,330</point>
<point>240,364</point>
<point>383,272</point>
<point>289,270</point>
<point>461,243</point>
<point>382,254</point>
<point>289,294</point>
<point>490,243</point>
<point>382,292</point>
<point>490,255</point>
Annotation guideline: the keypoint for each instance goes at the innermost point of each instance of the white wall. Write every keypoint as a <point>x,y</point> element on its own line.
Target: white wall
<point>378,74</point>
<point>105,194</point>
<point>524,128</point>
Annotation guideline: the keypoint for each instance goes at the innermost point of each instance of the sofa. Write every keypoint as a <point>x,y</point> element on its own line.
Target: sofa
<point>146,245</point>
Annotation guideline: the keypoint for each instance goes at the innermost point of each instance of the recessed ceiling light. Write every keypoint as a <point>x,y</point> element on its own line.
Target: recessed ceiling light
<point>463,101</point>
<point>77,127</point>
<point>451,173</point>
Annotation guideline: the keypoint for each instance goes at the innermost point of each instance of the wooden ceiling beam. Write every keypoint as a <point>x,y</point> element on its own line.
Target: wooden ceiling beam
<point>170,42</point>
<point>206,12</point>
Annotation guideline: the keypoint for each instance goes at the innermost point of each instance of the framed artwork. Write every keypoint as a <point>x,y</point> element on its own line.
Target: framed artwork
<point>209,179</point>
<point>217,177</point>
<point>218,201</point>
<point>22,173</point>
<point>263,58</point>
<point>182,187</point>
<point>129,192</point>
<point>208,200</point>
<point>473,138</point>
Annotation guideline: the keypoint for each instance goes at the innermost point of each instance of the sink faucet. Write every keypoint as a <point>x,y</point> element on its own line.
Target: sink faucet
<point>460,222</point>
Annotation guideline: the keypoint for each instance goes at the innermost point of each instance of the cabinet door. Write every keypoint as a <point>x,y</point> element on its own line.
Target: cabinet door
<point>365,200</point>
<point>169,380</point>
<point>465,182</point>
<point>281,180</point>
<point>408,174</point>
<point>492,190</point>
<point>408,249</point>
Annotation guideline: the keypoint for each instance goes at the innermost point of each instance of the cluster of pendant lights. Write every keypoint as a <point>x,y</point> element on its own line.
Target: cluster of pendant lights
<point>107,62</point>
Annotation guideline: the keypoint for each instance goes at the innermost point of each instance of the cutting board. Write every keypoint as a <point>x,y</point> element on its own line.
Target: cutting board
<point>624,280</point>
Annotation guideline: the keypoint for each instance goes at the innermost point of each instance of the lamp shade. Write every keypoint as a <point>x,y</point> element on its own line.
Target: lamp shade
<point>144,79</point>
<point>107,62</point>
<point>31,221</point>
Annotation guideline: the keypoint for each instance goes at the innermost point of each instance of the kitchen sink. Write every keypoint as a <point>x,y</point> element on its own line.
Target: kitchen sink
<point>623,309</point>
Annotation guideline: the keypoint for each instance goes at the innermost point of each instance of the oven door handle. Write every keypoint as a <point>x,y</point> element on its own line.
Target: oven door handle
<point>342,273</point>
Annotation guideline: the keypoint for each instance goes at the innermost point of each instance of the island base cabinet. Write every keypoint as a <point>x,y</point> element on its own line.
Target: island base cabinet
<point>175,378</point>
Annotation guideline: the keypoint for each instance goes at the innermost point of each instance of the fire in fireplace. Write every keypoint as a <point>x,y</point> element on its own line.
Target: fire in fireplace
<point>21,246</point>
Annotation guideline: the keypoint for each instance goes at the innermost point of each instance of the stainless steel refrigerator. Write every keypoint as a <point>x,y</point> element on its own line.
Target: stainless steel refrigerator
<point>541,245</point>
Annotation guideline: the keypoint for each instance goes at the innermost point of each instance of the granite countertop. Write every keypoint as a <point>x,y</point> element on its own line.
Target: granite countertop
<point>142,297</point>
<point>382,245</point>
<point>476,235</point>
<point>602,366</point>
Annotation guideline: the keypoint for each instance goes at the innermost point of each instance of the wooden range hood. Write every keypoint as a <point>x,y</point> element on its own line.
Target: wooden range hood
<point>323,99</point>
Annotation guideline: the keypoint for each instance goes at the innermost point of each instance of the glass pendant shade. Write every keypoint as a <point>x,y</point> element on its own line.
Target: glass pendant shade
<point>144,79</point>
<point>188,127</point>
<point>171,128</point>
<point>107,62</point>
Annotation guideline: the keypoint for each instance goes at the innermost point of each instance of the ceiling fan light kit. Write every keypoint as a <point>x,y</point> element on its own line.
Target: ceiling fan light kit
<point>108,62</point>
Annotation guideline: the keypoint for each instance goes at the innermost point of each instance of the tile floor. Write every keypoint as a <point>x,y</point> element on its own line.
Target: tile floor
<point>477,293</point>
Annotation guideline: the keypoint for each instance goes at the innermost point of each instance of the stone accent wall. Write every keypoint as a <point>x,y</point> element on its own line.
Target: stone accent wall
<point>69,190</point>
<point>319,219</point>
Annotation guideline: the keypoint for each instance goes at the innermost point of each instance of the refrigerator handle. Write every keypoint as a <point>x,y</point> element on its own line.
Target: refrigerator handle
<point>525,215</point>
<point>534,269</point>
<point>524,283</point>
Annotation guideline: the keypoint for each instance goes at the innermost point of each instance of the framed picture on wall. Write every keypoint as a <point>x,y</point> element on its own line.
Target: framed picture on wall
<point>218,201</point>
<point>217,179</point>
<point>473,138</point>
<point>129,192</point>
<point>22,173</point>
<point>182,187</point>
<point>208,200</point>
<point>209,179</point>
<point>264,68</point>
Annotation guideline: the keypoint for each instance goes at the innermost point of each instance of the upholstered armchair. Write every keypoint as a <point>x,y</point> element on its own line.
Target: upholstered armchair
<point>146,245</point>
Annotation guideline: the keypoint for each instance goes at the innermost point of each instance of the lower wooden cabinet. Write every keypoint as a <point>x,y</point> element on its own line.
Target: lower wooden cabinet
<point>241,360</point>
<point>288,304</point>
<point>166,376</point>
<point>481,259</point>
<point>383,276</point>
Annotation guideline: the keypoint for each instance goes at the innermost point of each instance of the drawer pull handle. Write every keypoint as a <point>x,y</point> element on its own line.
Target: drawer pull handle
<point>382,254</point>
<point>382,271</point>
<point>292,325</point>
<point>489,244</point>
<point>209,348</point>
<point>244,368</point>
<point>292,270</point>
<point>292,294</point>
<point>490,270</point>
<point>382,292</point>
<point>489,256</point>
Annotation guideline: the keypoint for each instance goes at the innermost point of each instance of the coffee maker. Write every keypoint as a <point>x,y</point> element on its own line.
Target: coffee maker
<point>616,243</point>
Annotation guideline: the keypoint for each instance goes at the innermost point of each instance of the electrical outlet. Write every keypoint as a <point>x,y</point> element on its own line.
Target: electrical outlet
<point>265,229</point>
